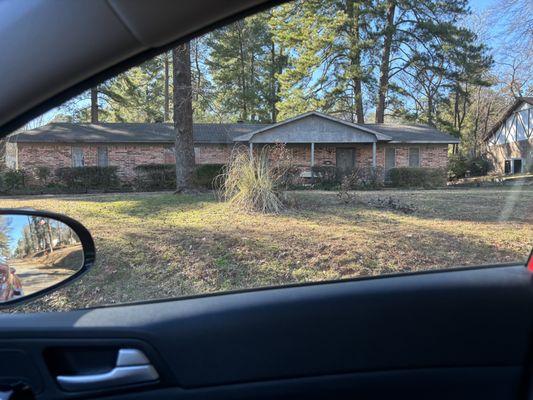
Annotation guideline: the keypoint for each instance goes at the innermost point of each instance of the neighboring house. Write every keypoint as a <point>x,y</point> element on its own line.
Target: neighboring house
<point>510,141</point>
<point>315,139</point>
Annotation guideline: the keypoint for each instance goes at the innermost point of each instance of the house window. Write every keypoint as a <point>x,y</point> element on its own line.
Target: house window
<point>507,167</point>
<point>77,157</point>
<point>517,166</point>
<point>414,157</point>
<point>390,158</point>
<point>103,159</point>
<point>168,156</point>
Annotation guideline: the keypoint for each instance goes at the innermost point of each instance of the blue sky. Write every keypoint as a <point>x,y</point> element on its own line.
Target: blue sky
<point>482,5</point>
<point>13,227</point>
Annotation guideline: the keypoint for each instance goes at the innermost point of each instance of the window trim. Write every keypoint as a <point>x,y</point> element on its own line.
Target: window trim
<point>417,158</point>
<point>100,148</point>
<point>394,149</point>
<point>72,149</point>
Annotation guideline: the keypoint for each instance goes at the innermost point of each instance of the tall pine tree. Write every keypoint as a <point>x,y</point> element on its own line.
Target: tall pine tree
<point>329,68</point>
<point>243,63</point>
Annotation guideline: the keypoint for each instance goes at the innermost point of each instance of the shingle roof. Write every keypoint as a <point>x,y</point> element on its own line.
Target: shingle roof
<point>506,115</point>
<point>63,132</point>
<point>413,133</point>
<point>214,133</point>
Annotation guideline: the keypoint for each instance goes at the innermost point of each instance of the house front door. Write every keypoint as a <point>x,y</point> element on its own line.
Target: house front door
<point>345,161</point>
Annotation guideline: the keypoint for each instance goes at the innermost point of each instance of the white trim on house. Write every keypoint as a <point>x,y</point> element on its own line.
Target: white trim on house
<point>513,128</point>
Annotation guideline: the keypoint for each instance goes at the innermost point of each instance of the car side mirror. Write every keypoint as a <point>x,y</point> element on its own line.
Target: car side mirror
<point>39,253</point>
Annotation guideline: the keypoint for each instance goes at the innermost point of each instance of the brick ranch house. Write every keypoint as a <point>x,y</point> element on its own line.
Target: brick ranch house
<point>509,144</point>
<point>315,139</point>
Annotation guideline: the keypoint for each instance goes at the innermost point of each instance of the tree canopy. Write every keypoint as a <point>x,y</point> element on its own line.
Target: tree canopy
<point>419,61</point>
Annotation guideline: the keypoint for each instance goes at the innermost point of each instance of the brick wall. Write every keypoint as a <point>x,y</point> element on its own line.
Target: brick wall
<point>127,156</point>
<point>124,156</point>
<point>363,155</point>
<point>10,155</point>
<point>301,154</point>
<point>31,155</point>
<point>434,156</point>
<point>212,153</point>
<point>324,155</point>
<point>431,156</point>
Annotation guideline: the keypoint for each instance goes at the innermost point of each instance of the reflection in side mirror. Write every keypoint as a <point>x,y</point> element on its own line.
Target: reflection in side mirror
<point>38,252</point>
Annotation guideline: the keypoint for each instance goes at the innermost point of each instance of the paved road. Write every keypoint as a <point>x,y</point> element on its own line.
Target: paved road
<point>36,276</point>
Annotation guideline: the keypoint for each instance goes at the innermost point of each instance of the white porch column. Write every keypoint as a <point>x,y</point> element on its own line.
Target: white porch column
<point>251,146</point>
<point>312,159</point>
<point>374,155</point>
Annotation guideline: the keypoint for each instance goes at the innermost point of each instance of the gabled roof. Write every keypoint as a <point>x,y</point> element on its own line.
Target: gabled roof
<point>393,133</point>
<point>517,103</point>
<point>379,136</point>
<point>63,132</point>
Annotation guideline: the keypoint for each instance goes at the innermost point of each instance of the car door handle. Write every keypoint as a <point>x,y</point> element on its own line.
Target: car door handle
<point>118,376</point>
<point>125,373</point>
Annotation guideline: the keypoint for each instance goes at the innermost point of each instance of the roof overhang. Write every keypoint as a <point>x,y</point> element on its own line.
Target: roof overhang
<point>448,141</point>
<point>507,114</point>
<point>96,142</point>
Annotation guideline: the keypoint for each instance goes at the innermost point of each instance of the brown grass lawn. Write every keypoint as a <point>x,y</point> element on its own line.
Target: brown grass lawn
<point>161,245</point>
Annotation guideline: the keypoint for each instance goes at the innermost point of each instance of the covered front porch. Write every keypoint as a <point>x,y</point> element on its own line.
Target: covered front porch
<point>320,140</point>
<point>345,157</point>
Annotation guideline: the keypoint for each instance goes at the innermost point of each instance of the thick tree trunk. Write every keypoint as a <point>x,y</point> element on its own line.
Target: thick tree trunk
<point>94,105</point>
<point>166,111</point>
<point>385,63</point>
<point>353,11</point>
<point>184,145</point>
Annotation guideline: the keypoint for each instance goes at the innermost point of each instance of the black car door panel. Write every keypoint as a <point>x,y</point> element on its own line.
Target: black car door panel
<point>447,334</point>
